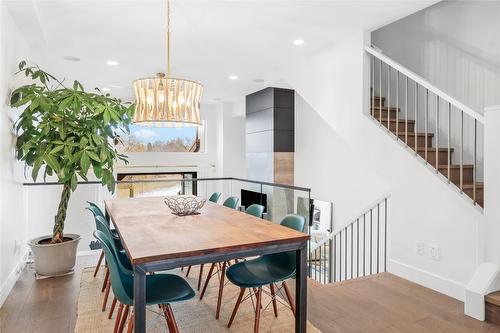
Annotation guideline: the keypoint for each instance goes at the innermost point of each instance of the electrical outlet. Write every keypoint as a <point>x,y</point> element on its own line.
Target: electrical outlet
<point>420,248</point>
<point>435,252</point>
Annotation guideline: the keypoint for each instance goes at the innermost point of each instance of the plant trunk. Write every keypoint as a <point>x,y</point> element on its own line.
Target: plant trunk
<point>57,236</point>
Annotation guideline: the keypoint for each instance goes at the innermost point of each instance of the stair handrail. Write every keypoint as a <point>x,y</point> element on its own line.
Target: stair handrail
<point>332,235</point>
<point>424,83</point>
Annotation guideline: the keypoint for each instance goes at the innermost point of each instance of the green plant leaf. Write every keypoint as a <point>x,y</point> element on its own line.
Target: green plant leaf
<point>52,162</point>
<point>85,163</point>
<point>93,156</point>
<point>74,182</point>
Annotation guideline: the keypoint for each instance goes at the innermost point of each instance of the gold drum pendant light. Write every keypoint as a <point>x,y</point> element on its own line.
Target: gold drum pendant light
<point>164,101</point>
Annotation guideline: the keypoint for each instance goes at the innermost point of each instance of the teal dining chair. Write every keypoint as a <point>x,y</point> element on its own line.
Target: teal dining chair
<point>220,268</point>
<point>215,197</point>
<point>268,269</point>
<point>161,289</point>
<point>96,211</point>
<point>231,202</point>
<point>124,261</point>
<point>255,210</point>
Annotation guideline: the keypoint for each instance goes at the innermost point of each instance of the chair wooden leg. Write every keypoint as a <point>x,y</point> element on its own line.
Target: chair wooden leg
<point>171,322</point>
<point>188,270</point>
<point>200,276</point>
<point>273,294</point>
<point>118,318</point>
<point>130,326</point>
<point>167,317</point>
<point>106,295</point>
<point>221,288</point>
<point>207,280</point>
<point>105,282</point>
<point>236,306</point>
<point>124,319</point>
<point>99,263</point>
<point>257,310</point>
<point>113,305</point>
<point>289,297</point>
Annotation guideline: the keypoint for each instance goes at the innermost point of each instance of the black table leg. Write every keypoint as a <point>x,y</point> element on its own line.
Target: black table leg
<point>301,290</point>
<point>139,300</point>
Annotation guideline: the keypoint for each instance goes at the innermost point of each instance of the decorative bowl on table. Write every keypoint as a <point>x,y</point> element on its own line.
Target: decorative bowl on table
<point>183,205</point>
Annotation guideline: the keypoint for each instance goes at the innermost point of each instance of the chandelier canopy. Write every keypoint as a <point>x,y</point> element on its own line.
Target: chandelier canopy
<point>164,101</point>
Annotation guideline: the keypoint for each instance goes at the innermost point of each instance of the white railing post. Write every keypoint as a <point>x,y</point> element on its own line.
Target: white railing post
<point>492,184</point>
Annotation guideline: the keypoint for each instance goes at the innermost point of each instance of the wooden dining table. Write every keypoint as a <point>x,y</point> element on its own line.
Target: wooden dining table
<point>156,240</point>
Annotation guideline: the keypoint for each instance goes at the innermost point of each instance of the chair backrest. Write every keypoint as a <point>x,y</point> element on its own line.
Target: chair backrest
<point>231,202</point>
<point>103,227</point>
<point>121,283</point>
<point>295,222</point>
<point>255,210</point>
<point>95,209</point>
<point>286,260</point>
<point>215,197</point>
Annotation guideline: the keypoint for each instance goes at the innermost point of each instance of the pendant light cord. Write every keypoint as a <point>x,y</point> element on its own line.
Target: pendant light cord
<point>168,38</point>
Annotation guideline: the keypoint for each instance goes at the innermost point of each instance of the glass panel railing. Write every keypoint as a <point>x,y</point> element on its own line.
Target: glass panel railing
<point>43,198</point>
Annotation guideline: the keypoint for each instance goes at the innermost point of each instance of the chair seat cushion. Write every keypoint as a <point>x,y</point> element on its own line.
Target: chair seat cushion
<point>262,271</point>
<point>162,289</point>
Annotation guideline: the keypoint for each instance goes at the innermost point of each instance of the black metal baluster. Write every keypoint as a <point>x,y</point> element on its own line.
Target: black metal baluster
<point>371,240</point>
<point>378,237</point>
<point>357,247</point>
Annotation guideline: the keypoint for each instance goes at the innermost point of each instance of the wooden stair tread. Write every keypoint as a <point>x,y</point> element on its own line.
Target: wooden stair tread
<point>493,298</point>
<point>456,166</point>
<point>392,120</point>
<point>375,107</point>
<point>413,134</point>
<point>422,149</point>
<point>470,186</point>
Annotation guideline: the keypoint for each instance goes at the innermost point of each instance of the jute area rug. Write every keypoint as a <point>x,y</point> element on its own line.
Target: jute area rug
<point>192,316</point>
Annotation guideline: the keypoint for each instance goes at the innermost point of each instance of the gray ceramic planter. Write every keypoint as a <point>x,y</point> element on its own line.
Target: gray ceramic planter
<point>54,259</point>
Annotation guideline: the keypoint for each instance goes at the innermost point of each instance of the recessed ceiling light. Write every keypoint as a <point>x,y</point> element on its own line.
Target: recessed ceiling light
<point>106,89</point>
<point>71,58</point>
<point>298,42</point>
<point>233,77</point>
<point>112,63</point>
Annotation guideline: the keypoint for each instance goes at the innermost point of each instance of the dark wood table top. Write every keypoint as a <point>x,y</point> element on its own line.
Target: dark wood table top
<point>150,232</point>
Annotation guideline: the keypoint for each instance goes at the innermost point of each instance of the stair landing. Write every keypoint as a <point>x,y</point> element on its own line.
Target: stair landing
<point>386,303</point>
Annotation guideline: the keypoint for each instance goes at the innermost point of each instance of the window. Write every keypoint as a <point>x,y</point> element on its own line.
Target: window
<point>154,139</point>
<point>156,184</point>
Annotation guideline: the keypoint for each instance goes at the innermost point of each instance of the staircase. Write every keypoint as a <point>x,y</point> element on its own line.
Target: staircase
<point>441,131</point>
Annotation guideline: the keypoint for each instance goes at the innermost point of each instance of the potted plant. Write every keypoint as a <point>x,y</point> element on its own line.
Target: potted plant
<point>66,132</point>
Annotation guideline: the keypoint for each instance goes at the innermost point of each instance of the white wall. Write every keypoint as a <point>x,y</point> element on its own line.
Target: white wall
<point>422,207</point>
<point>453,44</point>
<point>12,227</point>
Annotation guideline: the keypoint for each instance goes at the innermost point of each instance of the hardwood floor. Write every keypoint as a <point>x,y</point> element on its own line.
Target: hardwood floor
<point>381,303</point>
<point>387,303</point>
<point>43,306</point>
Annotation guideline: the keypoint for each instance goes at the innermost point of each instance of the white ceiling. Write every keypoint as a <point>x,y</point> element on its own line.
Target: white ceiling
<point>210,39</point>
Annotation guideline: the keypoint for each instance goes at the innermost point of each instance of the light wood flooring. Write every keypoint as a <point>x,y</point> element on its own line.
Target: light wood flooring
<point>382,303</point>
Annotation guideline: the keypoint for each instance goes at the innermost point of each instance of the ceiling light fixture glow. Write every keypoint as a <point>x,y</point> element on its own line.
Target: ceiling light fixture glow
<point>233,77</point>
<point>298,42</point>
<point>112,63</point>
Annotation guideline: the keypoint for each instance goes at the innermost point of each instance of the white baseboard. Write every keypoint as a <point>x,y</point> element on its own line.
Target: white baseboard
<point>11,280</point>
<point>432,281</point>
